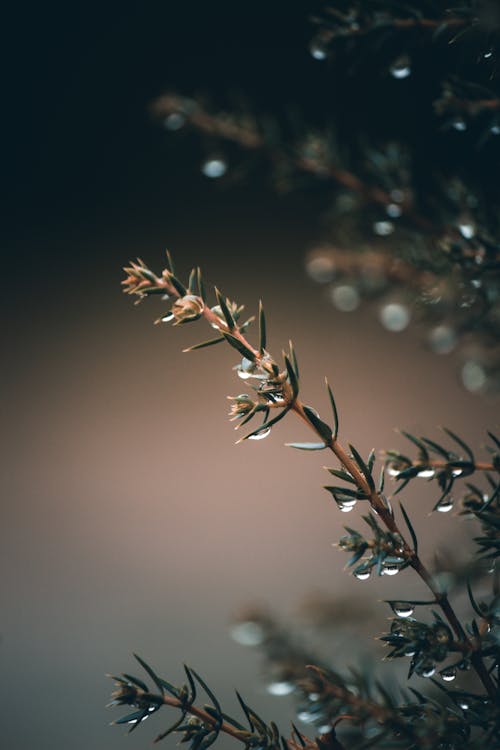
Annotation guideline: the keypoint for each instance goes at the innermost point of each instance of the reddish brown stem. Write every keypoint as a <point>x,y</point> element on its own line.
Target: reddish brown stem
<point>376,501</point>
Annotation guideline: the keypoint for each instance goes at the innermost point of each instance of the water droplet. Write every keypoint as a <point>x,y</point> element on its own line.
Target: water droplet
<point>346,505</point>
<point>318,50</point>
<point>442,339</point>
<point>459,124</point>
<point>426,473</point>
<point>325,728</point>
<point>464,705</point>
<point>246,369</point>
<point>403,609</point>
<point>261,434</point>
<point>428,671</point>
<point>449,674</point>
<point>394,211</point>
<point>321,268</point>
<point>395,317</point>
<point>214,167</point>
<point>306,716</point>
<point>445,505</point>
<point>217,311</point>
<point>390,570</point>
<point>362,575</point>
<point>401,68</point>
<point>247,633</point>
<point>495,129</point>
<point>174,121</point>
<point>473,376</point>
<point>280,688</point>
<point>345,297</point>
<point>467,229</point>
<point>314,697</point>
<point>383,228</point>
<point>488,54</point>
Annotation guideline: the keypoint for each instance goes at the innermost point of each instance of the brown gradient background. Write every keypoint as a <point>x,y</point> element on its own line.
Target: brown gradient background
<point>131,521</point>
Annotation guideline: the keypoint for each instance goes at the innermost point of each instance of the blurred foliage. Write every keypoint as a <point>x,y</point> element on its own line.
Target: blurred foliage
<point>402,146</point>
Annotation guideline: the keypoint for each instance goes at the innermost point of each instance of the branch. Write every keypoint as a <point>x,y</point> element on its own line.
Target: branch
<point>282,387</point>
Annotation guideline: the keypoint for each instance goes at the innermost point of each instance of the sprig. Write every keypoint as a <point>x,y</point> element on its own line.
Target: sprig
<point>278,387</point>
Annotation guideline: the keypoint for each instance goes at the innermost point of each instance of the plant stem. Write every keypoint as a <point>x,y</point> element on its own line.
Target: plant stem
<point>208,719</point>
<point>377,504</point>
<point>387,517</point>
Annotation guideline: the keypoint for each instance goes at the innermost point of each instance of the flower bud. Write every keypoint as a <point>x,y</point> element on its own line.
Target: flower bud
<point>187,308</point>
<point>241,406</point>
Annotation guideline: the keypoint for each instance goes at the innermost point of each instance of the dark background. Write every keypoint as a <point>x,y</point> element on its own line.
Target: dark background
<point>130,520</point>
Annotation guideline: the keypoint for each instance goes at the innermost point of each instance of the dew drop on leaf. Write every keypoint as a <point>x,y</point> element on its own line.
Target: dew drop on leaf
<point>442,339</point>
<point>261,434</point>
<point>346,505</point>
<point>394,211</point>
<point>459,124</point>
<point>428,671</point>
<point>345,297</point>
<point>467,230</point>
<point>280,688</point>
<point>383,228</point>
<point>174,121</point>
<point>448,675</point>
<point>318,51</point>
<point>473,376</point>
<point>445,505</point>
<point>320,268</point>
<point>395,317</point>
<point>247,633</point>
<point>401,68</point>
<point>390,570</point>
<point>426,473</point>
<point>403,609</point>
<point>362,575</point>
<point>214,167</point>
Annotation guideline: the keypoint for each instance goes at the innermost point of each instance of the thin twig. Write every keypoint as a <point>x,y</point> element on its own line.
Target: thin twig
<point>375,499</point>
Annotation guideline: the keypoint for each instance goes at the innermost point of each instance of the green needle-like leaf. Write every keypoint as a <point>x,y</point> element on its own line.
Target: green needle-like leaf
<point>201,285</point>
<point>225,310</point>
<point>321,427</point>
<point>334,410</point>
<point>192,281</point>
<point>362,465</point>
<point>461,443</point>
<point>292,377</point>
<point>157,681</point>
<point>262,329</point>
<point>204,344</point>
<point>239,345</point>
<point>306,446</point>
<point>410,528</point>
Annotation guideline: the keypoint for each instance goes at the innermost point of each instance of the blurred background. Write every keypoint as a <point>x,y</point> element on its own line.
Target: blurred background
<point>131,521</point>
